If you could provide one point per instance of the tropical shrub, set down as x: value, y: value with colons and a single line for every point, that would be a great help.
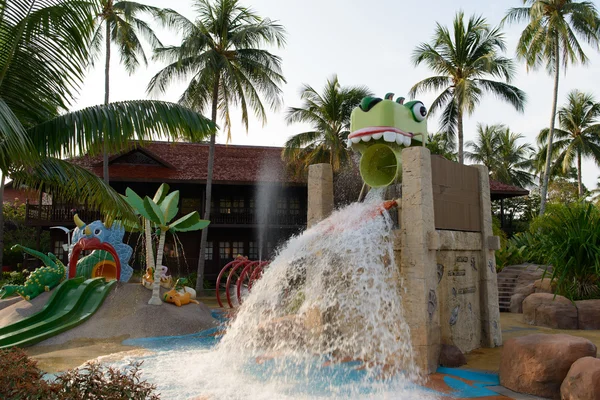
x: 22, y: 379
x: 568, y: 238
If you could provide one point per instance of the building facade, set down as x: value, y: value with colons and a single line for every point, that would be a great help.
x: 256, y: 206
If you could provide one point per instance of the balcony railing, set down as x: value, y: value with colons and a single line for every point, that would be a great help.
x: 47, y: 214
x: 58, y: 214
x: 249, y: 216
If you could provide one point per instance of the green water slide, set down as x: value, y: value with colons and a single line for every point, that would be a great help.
x: 71, y: 303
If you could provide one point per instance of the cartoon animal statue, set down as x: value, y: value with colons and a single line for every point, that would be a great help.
x: 379, y: 130
x: 182, y: 289
x: 178, y: 299
x: 41, y: 280
x: 166, y: 281
x: 109, y: 257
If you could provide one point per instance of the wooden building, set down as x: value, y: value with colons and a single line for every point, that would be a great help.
x: 256, y: 205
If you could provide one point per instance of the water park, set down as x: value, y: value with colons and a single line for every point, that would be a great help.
x: 364, y: 259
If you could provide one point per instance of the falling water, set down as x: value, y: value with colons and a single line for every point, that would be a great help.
x: 265, y: 199
x: 324, y: 321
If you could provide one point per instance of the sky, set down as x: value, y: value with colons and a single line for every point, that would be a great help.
x: 365, y: 43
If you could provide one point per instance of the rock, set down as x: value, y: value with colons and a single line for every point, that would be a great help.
x: 582, y: 381
x: 451, y: 356
x: 538, y: 364
x: 544, y: 309
x: 588, y: 314
x: 544, y: 285
x: 516, y: 303
x: 525, y: 290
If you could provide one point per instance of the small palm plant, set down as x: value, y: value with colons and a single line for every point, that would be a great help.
x: 160, y: 211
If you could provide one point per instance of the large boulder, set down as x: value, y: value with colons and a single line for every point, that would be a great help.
x: 544, y: 285
x: 525, y: 290
x: 451, y: 356
x: 545, y: 309
x: 516, y: 303
x: 582, y: 381
x: 588, y: 314
x: 538, y: 364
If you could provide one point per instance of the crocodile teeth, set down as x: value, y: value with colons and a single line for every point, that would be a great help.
x: 399, y: 138
x: 389, y: 136
x: 407, y: 141
x: 355, y: 139
x: 349, y: 143
x: 377, y: 136
x: 366, y: 138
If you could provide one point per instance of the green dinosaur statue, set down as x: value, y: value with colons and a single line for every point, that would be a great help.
x: 41, y: 280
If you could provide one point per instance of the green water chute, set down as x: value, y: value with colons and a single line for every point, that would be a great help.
x: 380, y: 164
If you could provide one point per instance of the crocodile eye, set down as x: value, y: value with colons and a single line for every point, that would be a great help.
x: 419, y: 111
x: 97, y: 232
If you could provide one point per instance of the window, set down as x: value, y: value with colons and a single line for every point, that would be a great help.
x: 190, y: 205
x: 295, y: 206
x: 237, y: 249
x: 225, y: 205
x: 282, y: 206
x: 59, y: 251
x: 225, y: 250
x: 208, y: 252
x: 251, y: 206
x: 237, y: 204
x: 253, y: 251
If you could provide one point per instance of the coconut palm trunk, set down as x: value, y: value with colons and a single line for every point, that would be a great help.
x: 459, y: 128
x: 579, y: 183
x: 155, y: 299
x: 106, y: 101
x: 209, y: 179
x: 544, y: 192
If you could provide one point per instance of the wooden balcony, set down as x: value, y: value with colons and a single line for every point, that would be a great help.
x: 50, y: 215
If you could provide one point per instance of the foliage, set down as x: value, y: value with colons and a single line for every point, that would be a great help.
x: 16, y: 232
x: 466, y: 61
x: 519, y: 249
x: 578, y: 136
x: 329, y: 117
x: 22, y: 379
x: 15, y: 277
x: 508, y: 161
x: 442, y: 144
x: 569, y: 239
x: 564, y: 190
x: 221, y: 55
x: 552, y: 37
x: 44, y: 55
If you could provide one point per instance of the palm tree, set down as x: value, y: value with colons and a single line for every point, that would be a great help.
x: 465, y: 62
x: 497, y: 148
x: 118, y: 23
x: 579, y: 133
x: 484, y: 149
x: 44, y: 52
x: 222, y: 55
x: 329, y: 116
x: 552, y: 38
x: 442, y: 144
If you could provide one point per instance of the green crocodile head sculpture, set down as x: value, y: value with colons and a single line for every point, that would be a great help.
x: 380, y: 129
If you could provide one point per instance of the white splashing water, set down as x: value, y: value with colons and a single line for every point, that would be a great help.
x: 331, y: 295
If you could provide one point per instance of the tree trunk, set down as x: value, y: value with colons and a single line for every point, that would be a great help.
x: 209, y: 178
x: 106, y: 100
x: 149, y: 251
x: 2, y: 180
x: 579, y: 183
x: 544, y: 191
x: 461, y: 156
x: 155, y: 299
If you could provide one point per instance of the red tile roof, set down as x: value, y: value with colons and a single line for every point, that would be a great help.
x: 187, y: 162
x: 499, y: 190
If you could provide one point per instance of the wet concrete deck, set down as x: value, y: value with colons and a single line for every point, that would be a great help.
x: 474, y: 380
